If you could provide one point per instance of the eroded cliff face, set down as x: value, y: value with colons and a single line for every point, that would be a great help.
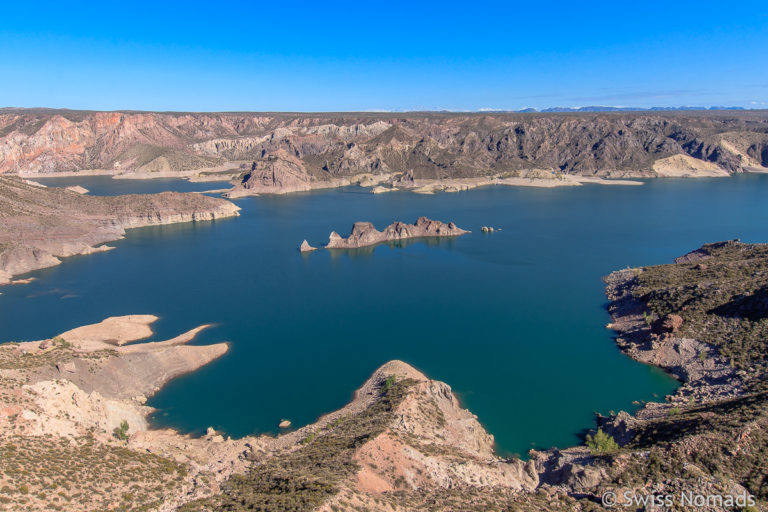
x: 403, y: 439
x: 39, y: 225
x: 324, y: 147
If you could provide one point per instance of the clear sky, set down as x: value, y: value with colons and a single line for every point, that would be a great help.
x: 393, y: 55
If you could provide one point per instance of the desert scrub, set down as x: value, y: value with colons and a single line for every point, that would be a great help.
x: 307, y: 477
x: 83, y: 474
x: 13, y: 358
x: 728, y: 438
x: 722, y: 298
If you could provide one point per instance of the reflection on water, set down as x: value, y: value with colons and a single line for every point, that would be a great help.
x: 368, y: 250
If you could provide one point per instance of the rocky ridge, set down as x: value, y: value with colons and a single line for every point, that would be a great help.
x: 39, y: 225
x: 281, y: 153
x: 365, y: 234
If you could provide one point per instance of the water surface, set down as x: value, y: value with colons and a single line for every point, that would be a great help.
x: 513, y: 321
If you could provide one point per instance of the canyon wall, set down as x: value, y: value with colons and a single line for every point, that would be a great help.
x: 324, y: 147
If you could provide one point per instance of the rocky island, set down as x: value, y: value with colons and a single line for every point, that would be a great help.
x: 364, y: 233
x: 73, y: 429
x: 39, y: 225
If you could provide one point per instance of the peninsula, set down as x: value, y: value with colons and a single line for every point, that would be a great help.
x: 39, y: 225
x: 364, y: 233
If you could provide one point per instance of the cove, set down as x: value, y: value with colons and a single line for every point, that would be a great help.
x: 513, y: 320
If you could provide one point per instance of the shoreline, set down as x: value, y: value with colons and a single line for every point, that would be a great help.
x: 25, y: 247
x: 412, y: 439
x: 708, y: 380
x: 392, y: 182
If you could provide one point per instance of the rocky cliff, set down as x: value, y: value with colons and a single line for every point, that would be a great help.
x: 288, y: 152
x: 39, y: 225
x: 364, y: 233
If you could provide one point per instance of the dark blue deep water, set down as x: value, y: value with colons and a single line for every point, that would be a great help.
x: 513, y: 321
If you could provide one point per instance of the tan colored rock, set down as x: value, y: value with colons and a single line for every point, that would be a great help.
x: 685, y: 166
x: 116, y: 330
x: 305, y: 247
x: 68, y: 367
x: 284, y: 424
x: 38, y: 226
x: 364, y: 233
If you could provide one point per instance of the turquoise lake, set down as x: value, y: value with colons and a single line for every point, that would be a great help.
x: 513, y: 320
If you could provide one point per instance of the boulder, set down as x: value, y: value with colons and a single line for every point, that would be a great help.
x: 68, y: 367
x: 668, y: 325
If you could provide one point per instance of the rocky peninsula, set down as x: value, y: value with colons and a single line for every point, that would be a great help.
x: 364, y: 233
x: 278, y: 153
x: 703, y: 319
x: 39, y: 225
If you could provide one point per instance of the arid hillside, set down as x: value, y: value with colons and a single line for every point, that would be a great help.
x: 328, y: 147
x: 39, y: 225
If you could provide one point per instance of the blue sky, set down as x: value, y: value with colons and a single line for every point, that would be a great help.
x: 341, y: 56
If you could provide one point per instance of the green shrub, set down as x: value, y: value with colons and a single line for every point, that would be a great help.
x: 121, y: 432
x: 389, y: 383
x: 601, y: 443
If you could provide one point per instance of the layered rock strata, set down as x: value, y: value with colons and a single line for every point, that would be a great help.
x: 281, y: 153
x: 38, y: 225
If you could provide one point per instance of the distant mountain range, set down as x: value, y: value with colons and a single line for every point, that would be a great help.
x: 597, y: 108
x: 591, y: 108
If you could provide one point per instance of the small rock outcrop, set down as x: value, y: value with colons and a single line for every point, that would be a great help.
x: 305, y: 247
x: 364, y: 233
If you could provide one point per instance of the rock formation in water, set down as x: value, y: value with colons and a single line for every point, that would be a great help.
x: 279, y: 153
x: 305, y: 247
x: 364, y: 233
x: 39, y: 225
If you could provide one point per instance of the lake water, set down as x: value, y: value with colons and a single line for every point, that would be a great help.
x: 513, y: 321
